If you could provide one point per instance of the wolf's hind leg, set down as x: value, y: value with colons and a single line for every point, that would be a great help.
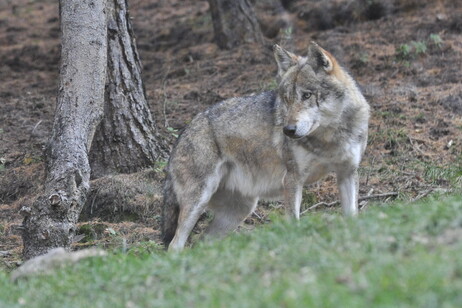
x: 230, y: 209
x: 193, y: 203
x: 186, y: 221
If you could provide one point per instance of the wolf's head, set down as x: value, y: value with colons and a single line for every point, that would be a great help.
x: 312, y: 88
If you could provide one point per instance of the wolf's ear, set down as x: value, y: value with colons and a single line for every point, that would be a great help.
x: 320, y: 58
x: 284, y: 59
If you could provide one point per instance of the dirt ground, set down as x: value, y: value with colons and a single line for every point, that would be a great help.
x: 406, y: 55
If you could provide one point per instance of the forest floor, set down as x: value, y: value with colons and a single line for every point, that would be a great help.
x: 406, y: 56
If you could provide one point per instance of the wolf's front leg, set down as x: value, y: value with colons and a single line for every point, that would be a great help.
x: 348, y: 184
x: 292, y: 195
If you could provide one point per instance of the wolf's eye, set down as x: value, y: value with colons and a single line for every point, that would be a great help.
x: 306, y: 96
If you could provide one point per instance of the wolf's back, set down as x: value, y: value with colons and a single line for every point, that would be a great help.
x: 170, y: 212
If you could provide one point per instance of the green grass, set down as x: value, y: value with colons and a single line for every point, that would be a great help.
x: 436, y: 40
x: 399, y: 255
x: 448, y: 174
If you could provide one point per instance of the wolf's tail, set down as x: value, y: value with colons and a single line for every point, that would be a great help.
x: 170, y: 212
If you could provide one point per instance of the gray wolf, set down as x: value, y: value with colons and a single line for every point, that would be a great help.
x: 268, y: 146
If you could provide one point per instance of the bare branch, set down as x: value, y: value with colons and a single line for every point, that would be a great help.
x: 389, y: 194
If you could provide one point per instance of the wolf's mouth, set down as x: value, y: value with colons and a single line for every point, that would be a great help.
x: 313, y: 128
x: 296, y: 137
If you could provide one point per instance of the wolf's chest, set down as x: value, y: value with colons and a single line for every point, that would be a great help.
x: 313, y: 164
x: 266, y: 181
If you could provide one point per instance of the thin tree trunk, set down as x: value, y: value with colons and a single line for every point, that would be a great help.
x: 286, y: 3
x: 275, y: 22
x: 50, y: 221
x: 234, y: 23
x: 127, y: 138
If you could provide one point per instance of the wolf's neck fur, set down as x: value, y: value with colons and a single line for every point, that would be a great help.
x: 352, y: 120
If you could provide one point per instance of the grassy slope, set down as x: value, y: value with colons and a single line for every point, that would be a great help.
x: 391, y: 256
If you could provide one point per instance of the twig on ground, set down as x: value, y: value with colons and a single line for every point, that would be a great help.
x: 407, y: 173
x: 35, y: 127
x: 389, y: 194
x: 362, y: 205
x: 258, y: 216
x: 417, y: 148
x: 319, y: 204
x: 422, y: 194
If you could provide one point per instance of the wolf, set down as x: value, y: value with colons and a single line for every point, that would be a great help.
x: 267, y: 146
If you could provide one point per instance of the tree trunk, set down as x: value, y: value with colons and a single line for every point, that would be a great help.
x: 275, y: 22
x: 286, y: 3
x: 50, y: 221
x: 234, y: 23
x: 127, y: 138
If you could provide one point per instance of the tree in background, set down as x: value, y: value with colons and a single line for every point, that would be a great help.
x: 234, y: 23
x: 127, y: 138
x: 50, y: 221
x: 100, y: 82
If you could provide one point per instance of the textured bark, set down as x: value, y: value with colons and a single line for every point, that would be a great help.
x: 234, y: 23
x: 50, y: 221
x: 127, y: 139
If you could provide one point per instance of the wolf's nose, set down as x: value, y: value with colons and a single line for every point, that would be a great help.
x: 290, y: 130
